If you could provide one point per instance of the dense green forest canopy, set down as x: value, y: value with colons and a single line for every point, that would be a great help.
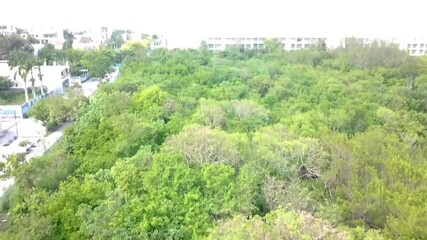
x: 267, y: 144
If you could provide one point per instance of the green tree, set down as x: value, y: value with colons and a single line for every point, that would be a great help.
x: 98, y: 62
x: 69, y: 38
x: 39, y: 63
x: 5, y: 85
x: 49, y: 53
x: 24, y: 63
x: 116, y: 39
x: 8, y: 44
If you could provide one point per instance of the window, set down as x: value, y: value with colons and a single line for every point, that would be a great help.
x: 299, y: 45
x: 421, y: 52
x: 217, y: 45
x: 413, y: 51
x: 306, y: 46
x: 262, y: 39
x: 283, y: 45
x: 414, y: 45
x: 210, y: 46
x: 299, y: 39
x: 261, y: 46
x: 292, y: 45
x: 248, y: 46
x: 306, y: 39
x: 409, y: 45
x: 422, y: 45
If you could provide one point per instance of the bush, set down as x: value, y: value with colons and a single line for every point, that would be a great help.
x: 6, y: 199
x: 24, y: 143
x: 51, y: 125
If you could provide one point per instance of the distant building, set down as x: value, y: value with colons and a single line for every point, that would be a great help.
x: 46, y: 36
x: 159, y: 42
x: 104, y: 35
x: 414, y: 46
x: 6, y: 30
x: 249, y: 43
x: 85, y: 43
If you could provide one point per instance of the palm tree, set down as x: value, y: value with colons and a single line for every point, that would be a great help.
x: 39, y: 63
x: 32, y: 79
x: 22, y: 60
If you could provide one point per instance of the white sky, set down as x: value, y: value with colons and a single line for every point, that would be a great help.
x: 188, y: 21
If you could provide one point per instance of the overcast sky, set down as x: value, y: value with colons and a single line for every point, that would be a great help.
x: 190, y: 20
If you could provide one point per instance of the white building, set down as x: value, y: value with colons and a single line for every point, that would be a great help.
x: 159, y: 42
x: 46, y: 35
x: 248, y: 43
x: 7, y: 30
x: 104, y: 35
x: 56, y: 78
x: 97, y: 36
x: 84, y: 43
x: 414, y: 46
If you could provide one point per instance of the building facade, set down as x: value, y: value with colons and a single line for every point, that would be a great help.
x: 249, y: 43
x: 7, y: 30
x: 414, y: 46
x: 55, y: 78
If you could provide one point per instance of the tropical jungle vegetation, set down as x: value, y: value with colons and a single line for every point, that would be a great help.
x: 260, y: 144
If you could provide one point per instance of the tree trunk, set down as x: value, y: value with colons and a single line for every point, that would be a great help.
x: 24, y: 75
x: 26, y: 91
x: 33, y: 81
x: 41, y: 80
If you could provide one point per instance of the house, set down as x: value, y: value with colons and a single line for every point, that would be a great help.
x: 84, y: 43
x: 56, y: 78
x: 158, y: 42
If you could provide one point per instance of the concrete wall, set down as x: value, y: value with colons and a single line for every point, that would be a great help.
x: 9, y: 111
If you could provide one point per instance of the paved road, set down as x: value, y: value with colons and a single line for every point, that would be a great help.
x: 89, y: 87
x: 44, y: 145
x: 31, y: 129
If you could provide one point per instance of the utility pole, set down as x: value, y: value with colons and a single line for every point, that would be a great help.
x: 16, y: 124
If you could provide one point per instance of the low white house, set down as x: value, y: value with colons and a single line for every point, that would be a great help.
x: 56, y: 78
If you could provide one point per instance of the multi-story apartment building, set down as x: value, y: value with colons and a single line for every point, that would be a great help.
x: 414, y: 46
x: 45, y: 36
x: 104, y: 35
x: 248, y: 43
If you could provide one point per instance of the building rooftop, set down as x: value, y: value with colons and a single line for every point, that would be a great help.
x: 85, y: 40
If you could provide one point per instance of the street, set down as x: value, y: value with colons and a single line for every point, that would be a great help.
x: 32, y: 130
x: 45, y: 144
